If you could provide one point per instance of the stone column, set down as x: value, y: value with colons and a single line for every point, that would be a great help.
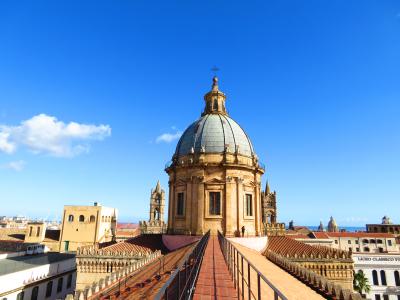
x: 171, y: 197
x: 257, y: 204
x: 230, y: 200
x: 200, y: 207
x: 195, y: 209
x: 188, y: 203
x: 239, y: 202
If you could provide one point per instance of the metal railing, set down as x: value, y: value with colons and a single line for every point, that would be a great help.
x: 180, y: 284
x: 242, y: 276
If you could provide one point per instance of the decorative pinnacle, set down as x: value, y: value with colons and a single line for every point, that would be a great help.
x: 215, y: 84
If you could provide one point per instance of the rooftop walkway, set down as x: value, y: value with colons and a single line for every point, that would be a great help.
x: 291, y: 287
x: 214, y: 280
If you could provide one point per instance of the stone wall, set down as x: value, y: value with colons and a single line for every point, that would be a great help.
x: 111, y: 279
x: 94, y: 264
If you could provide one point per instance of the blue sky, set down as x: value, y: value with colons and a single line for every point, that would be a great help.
x: 86, y: 87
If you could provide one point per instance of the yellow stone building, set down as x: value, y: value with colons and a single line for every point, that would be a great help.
x: 87, y: 225
x: 215, y: 176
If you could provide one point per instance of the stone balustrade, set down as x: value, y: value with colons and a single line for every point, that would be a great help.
x: 319, y: 283
x: 108, y: 281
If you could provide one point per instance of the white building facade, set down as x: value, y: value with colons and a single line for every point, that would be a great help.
x: 361, y: 242
x: 383, y: 273
x: 44, y: 276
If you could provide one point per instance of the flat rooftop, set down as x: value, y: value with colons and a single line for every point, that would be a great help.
x: 16, y: 264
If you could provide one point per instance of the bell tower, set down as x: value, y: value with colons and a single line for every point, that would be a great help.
x: 155, y: 224
x: 269, y: 206
x: 157, y: 203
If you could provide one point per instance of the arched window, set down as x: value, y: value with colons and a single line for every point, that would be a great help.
x: 383, y: 277
x: 379, y: 241
x: 92, y: 219
x: 70, y: 218
x: 38, y: 231
x: 49, y: 289
x: 397, y: 278
x: 69, y: 281
x: 35, y: 293
x: 215, y: 105
x: 102, y: 218
x: 81, y: 218
x: 365, y: 241
x: 375, y: 277
x: 60, y: 285
x: 366, y: 249
x: 30, y: 230
x: 21, y: 295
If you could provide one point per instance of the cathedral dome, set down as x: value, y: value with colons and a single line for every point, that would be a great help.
x: 214, y: 133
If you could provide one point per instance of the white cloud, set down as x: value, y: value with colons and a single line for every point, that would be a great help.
x: 168, y: 137
x: 5, y: 145
x: 46, y: 134
x: 14, y: 165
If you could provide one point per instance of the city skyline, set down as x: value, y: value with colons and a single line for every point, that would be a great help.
x: 93, y: 102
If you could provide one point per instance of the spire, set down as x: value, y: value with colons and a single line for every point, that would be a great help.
x: 215, y: 100
x: 321, y: 226
x: 267, y: 190
x: 215, y: 84
x: 158, y: 186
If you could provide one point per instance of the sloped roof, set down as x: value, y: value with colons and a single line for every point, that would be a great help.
x: 127, y: 226
x: 291, y: 248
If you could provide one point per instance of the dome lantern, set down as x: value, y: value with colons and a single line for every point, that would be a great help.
x: 215, y: 100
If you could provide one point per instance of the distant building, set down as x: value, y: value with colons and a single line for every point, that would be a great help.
x: 36, y: 277
x: 156, y: 223
x: 87, y: 225
x: 382, y: 271
x: 360, y: 242
x: 126, y: 231
x: 13, y: 222
x: 37, y: 232
x: 386, y: 226
x: 332, y: 226
x: 321, y: 227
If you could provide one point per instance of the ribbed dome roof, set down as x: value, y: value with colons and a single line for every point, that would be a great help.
x: 212, y: 133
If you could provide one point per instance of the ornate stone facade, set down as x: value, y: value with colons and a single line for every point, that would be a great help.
x: 268, y: 205
x: 215, y: 176
x: 333, y: 264
x: 156, y: 222
x: 269, y: 213
x: 94, y: 263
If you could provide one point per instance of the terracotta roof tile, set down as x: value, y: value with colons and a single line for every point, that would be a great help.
x: 127, y: 226
x: 289, y: 247
x: 298, y: 236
